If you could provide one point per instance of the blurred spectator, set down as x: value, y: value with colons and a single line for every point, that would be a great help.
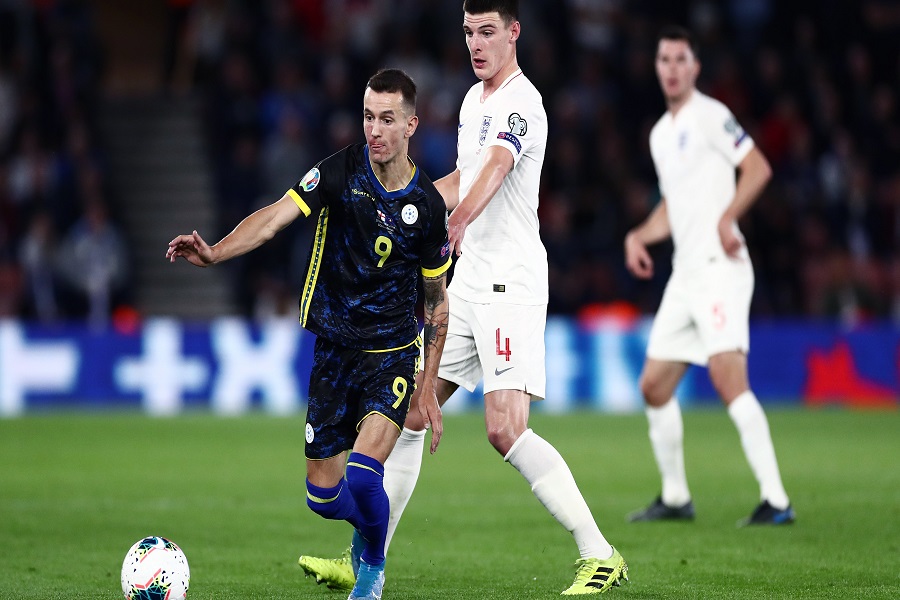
x: 93, y: 264
x: 848, y: 295
x: 37, y: 255
x: 284, y: 154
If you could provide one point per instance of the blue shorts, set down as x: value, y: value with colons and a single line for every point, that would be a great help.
x: 347, y: 385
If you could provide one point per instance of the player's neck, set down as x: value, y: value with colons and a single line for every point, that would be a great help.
x: 676, y: 104
x: 493, y: 84
x: 394, y: 175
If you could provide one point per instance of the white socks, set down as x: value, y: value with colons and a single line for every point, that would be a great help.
x: 753, y: 427
x: 401, y: 471
x: 667, y: 439
x: 552, y: 483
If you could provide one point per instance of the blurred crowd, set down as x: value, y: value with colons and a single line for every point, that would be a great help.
x: 817, y: 85
x: 62, y: 256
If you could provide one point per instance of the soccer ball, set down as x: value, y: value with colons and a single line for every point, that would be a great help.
x: 155, y: 569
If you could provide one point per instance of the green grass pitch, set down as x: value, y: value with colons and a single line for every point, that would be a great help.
x: 77, y: 490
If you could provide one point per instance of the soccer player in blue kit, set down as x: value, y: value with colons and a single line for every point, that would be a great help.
x: 380, y: 225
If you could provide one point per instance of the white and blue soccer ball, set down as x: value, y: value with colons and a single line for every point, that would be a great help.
x: 155, y: 569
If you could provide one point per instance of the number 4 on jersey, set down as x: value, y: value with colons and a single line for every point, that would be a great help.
x: 500, y: 352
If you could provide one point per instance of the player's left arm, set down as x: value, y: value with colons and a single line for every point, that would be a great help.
x: 754, y: 172
x: 498, y: 162
x: 437, y: 316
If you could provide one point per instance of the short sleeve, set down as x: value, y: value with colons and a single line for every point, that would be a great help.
x: 654, y: 155
x: 725, y: 134
x: 436, y: 257
x: 517, y: 124
x: 310, y: 193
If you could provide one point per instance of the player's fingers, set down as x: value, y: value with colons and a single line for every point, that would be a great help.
x: 436, y: 434
x: 456, y: 242
x: 181, y: 240
x: 732, y: 246
x: 437, y: 431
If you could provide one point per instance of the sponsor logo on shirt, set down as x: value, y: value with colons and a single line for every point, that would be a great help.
x: 310, y: 180
x: 363, y: 193
x: 503, y: 135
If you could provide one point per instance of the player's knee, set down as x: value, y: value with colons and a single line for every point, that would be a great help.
x: 728, y: 382
x: 414, y: 420
x: 652, y: 390
x: 501, y: 437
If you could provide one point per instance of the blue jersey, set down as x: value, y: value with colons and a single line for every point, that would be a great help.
x: 370, y: 247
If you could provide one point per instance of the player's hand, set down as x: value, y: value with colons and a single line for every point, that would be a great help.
x: 430, y: 411
x: 456, y: 231
x: 192, y: 248
x: 731, y: 242
x: 637, y: 258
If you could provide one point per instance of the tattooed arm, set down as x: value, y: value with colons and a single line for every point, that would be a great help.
x: 437, y: 314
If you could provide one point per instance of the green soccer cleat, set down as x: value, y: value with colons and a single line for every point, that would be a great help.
x: 595, y: 576
x: 335, y: 573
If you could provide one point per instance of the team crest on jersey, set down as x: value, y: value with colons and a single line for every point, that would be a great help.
x: 310, y: 180
x: 310, y: 434
x: 409, y: 214
x: 386, y: 221
x: 517, y: 125
x: 485, y: 126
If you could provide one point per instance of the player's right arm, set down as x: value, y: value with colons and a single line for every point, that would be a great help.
x: 437, y: 316
x: 498, y: 162
x: 655, y: 228
x: 252, y: 232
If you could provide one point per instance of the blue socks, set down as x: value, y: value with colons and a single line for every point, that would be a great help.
x: 333, y: 503
x: 360, y: 500
x: 365, y: 477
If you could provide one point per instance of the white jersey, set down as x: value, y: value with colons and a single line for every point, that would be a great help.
x: 695, y: 154
x: 503, y: 258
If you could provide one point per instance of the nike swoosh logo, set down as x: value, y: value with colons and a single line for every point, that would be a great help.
x: 499, y: 372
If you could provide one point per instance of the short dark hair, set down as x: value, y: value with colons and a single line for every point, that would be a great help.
x: 389, y: 81
x: 508, y: 9
x: 679, y: 33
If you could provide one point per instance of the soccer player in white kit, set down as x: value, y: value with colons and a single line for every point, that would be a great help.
x: 703, y: 317
x: 498, y: 297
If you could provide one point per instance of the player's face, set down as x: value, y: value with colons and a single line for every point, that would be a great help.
x: 677, y: 69
x: 492, y: 45
x: 387, y: 126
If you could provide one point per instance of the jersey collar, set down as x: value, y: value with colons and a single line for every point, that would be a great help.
x: 381, y: 189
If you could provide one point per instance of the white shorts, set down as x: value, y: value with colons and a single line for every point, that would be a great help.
x: 703, y: 312
x: 503, y: 343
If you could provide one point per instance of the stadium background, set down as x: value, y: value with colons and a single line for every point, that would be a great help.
x: 124, y: 123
